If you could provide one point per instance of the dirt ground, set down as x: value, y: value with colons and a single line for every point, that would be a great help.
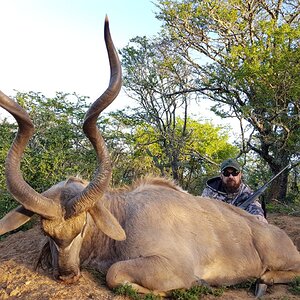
x: 19, y: 280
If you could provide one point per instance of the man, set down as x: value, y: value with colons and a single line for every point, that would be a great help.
x: 229, y: 187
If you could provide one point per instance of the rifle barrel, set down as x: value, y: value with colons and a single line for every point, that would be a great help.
x: 256, y: 194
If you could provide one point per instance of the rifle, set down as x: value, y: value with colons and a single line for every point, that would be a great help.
x: 256, y: 194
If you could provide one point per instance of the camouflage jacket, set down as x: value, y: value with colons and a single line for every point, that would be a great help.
x: 214, y: 189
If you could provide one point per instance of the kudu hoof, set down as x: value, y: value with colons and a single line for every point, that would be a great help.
x: 201, y: 282
x: 260, y: 290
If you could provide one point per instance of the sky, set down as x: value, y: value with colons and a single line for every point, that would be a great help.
x: 58, y: 45
x: 51, y: 46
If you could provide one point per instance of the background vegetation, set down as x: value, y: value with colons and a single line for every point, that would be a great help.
x: 242, y: 55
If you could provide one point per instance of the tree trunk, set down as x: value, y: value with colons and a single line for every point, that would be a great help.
x: 175, y: 174
x: 278, y: 187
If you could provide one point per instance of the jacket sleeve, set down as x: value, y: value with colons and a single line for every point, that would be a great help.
x: 206, y: 193
x: 255, y: 209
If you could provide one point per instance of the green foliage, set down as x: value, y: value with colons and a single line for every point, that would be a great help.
x: 58, y: 148
x: 6, y: 203
x: 168, y: 142
x: 246, y: 57
x: 142, y: 150
x: 150, y: 76
x: 202, y: 140
x: 194, y: 293
x: 7, y: 132
x: 282, y: 208
x: 244, y: 285
x: 127, y: 290
x: 99, y: 276
x: 295, y: 286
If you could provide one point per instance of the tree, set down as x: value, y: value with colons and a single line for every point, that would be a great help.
x: 7, y: 131
x: 147, y: 78
x: 140, y: 149
x: 204, y: 148
x: 249, y: 65
x: 119, y: 135
x: 150, y: 73
x: 58, y: 148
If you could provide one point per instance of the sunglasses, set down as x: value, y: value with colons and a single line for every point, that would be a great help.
x: 226, y: 173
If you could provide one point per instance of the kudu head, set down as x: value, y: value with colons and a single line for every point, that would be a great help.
x: 64, y: 208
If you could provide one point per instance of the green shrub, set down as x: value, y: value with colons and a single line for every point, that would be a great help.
x: 295, y: 286
x: 196, y: 292
x: 129, y: 291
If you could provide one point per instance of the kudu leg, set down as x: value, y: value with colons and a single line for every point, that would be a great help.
x: 147, y: 275
x: 271, y: 277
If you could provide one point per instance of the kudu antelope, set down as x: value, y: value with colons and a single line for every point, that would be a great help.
x: 152, y: 235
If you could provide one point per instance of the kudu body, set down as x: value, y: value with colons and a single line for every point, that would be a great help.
x: 152, y: 235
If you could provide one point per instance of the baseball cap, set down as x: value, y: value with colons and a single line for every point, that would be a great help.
x: 230, y: 163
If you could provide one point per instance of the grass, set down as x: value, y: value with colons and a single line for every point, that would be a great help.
x: 98, y: 276
x: 282, y: 208
x: 248, y: 285
x: 294, y: 286
x: 193, y: 293
x: 196, y: 292
x: 127, y: 290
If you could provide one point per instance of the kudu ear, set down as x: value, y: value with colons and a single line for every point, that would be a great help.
x: 14, y: 219
x: 106, y: 222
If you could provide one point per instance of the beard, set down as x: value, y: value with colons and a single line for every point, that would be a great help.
x: 232, y: 185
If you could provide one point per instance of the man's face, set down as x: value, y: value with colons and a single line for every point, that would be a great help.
x: 231, y: 179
